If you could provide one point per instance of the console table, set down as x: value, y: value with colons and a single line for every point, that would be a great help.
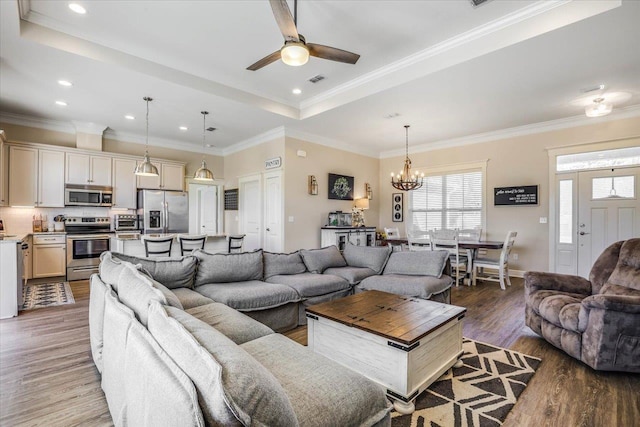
x: 339, y: 236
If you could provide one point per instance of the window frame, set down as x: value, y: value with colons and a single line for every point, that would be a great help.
x: 480, y: 166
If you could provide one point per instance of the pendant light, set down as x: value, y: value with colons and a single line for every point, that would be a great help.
x: 406, y: 181
x: 146, y: 168
x: 203, y: 174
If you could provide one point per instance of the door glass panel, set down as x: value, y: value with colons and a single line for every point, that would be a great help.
x: 613, y: 187
x: 565, y: 219
x: 599, y: 159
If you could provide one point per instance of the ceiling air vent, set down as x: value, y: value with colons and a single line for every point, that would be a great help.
x: 477, y: 3
x: 316, y: 79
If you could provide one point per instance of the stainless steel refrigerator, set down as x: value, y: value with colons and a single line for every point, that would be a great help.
x: 163, y: 211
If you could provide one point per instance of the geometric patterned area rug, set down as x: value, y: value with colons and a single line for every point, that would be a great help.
x: 480, y: 393
x: 46, y: 295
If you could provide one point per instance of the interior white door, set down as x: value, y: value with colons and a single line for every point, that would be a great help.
x: 250, y: 210
x: 203, y: 209
x: 608, y: 211
x: 273, y: 212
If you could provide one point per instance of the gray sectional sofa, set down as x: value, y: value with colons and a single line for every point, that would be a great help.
x: 192, y: 341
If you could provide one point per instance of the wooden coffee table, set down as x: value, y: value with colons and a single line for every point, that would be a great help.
x: 402, y: 343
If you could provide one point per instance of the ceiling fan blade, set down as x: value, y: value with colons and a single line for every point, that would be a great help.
x: 284, y: 20
x: 273, y: 57
x: 332, y: 53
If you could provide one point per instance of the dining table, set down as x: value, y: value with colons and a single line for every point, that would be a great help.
x: 470, y: 246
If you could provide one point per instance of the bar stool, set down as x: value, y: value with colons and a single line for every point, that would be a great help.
x: 235, y: 243
x: 190, y: 243
x: 157, y: 246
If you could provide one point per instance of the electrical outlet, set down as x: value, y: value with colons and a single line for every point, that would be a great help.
x: 514, y: 256
x: 290, y: 219
x: 543, y: 220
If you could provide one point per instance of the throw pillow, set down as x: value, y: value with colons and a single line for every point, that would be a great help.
x: 318, y: 260
x: 371, y: 257
x: 417, y: 263
x: 282, y: 264
x: 171, y: 272
x: 226, y: 268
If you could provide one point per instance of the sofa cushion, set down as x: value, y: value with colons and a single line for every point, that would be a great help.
x: 157, y: 391
x: 417, y: 263
x: 190, y: 298
x: 353, y: 275
x: 249, y: 295
x: 318, y: 260
x: 110, y: 269
x: 171, y: 272
x: 169, y: 296
x: 535, y: 298
x: 282, y: 264
x: 136, y: 292
x: 562, y: 310
x: 327, y: 394
x: 311, y: 284
x: 627, y: 271
x: 236, y: 326
x: 411, y: 286
x: 98, y: 290
x: 232, y: 386
x: 371, y: 257
x: 226, y: 268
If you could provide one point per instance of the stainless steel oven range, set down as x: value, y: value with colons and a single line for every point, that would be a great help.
x: 87, y: 238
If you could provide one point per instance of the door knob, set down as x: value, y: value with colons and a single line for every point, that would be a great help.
x: 582, y: 233
x: 268, y: 229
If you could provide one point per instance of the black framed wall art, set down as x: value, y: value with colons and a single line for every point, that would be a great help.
x: 340, y: 187
x: 397, y: 207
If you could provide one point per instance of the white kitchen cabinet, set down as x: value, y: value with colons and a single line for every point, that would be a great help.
x: 49, y: 256
x: 4, y: 171
x: 124, y: 183
x: 23, y: 176
x: 50, y: 178
x: 36, y: 177
x: 171, y: 177
x: 84, y: 169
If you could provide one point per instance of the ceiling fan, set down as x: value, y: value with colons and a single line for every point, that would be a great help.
x: 296, y: 50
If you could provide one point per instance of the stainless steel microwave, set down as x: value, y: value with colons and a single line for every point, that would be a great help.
x: 87, y: 195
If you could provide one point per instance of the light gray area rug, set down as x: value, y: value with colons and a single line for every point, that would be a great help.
x: 480, y: 393
x: 46, y: 295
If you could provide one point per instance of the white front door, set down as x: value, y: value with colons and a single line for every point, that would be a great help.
x: 250, y: 210
x: 608, y: 211
x: 273, y: 212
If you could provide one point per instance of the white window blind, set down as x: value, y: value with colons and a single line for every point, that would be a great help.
x: 452, y: 200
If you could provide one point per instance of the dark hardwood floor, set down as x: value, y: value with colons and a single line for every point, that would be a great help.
x: 47, y: 376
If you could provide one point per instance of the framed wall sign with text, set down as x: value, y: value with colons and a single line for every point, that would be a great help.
x: 515, y: 196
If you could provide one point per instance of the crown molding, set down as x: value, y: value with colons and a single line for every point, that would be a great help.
x: 89, y: 127
x: 37, y: 122
x: 549, y: 126
x: 159, y: 142
x: 267, y: 136
x: 329, y: 142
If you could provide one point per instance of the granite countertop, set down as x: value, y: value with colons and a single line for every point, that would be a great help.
x: 13, y: 238
x: 347, y: 227
x: 125, y: 236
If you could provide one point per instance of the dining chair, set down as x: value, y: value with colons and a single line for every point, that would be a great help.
x: 499, y: 264
x: 470, y: 234
x: 235, y: 243
x: 157, y: 246
x: 392, y: 233
x: 445, y: 239
x: 191, y: 242
x: 419, y: 240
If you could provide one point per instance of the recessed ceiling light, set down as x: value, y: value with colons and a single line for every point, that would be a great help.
x: 297, y: 91
x: 61, y: 103
x: 183, y: 128
x: 392, y: 115
x: 129, y: 117
x: 66, y: 83
x: 77, y: 8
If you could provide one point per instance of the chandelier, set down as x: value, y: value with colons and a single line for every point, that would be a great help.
x: 405, y: 180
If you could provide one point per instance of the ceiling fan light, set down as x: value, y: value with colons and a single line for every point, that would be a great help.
x: 599, y: 108
x: 203, y: 174
x: 294, y: 54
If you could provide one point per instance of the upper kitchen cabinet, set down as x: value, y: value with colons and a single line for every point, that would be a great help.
x: 36, y: 177
x: 84, y: 169
x: 171, y: 177
x: 124, y: 183
x: 4, y: 171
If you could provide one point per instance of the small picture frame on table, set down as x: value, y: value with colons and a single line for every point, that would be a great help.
x: 397, y: 207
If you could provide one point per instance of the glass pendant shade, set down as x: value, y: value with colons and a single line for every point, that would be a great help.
x: 598, y: 108
x: 146, y: 168
x: 294, y: 54
x: 203, y: 174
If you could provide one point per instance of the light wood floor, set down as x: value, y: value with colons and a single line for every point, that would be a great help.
x: 47, y: 377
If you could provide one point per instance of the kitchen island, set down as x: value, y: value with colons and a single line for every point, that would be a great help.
x: 131, y: 243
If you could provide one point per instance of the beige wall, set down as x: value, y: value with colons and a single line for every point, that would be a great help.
x: 310, y: 212
x: 514, y: 161
x: 16, y: 133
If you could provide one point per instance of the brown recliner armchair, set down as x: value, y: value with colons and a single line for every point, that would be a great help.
x: 596, y: 321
